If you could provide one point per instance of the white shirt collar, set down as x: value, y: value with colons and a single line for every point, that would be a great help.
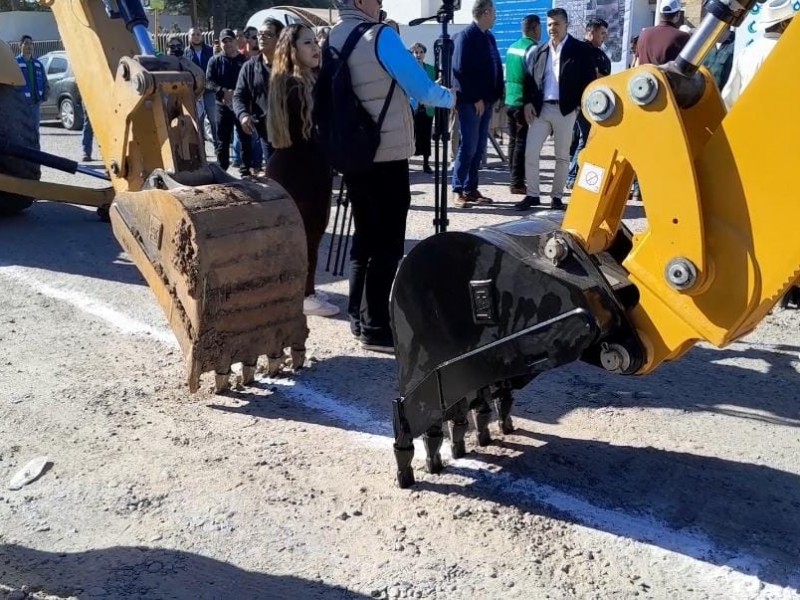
x: 560, y: 45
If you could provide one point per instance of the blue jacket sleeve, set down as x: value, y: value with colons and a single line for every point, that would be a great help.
x: 402, y: 66
x: 464, y: 61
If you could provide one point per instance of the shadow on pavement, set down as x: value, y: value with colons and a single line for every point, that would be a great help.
x: 743, y: 516
x: 66, y: 239
x: 751, y: 382
x: 358, y: 401
x: 142, y: 572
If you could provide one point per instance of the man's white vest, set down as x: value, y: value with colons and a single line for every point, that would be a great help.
x: 371, y: 84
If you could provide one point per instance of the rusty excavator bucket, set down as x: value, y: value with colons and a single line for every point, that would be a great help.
x: 478, y: 314
x: 225, y: 258
x: 227, y: 263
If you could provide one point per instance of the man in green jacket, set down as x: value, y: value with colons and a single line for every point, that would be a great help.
x: 515, y: 74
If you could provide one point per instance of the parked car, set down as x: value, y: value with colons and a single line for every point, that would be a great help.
x: 64, y: 102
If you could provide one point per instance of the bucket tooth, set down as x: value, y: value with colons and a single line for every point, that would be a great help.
x: 275, y: 364
x: 432, y: 440
x: 403, y: 447
x: 297, y: 358
x: 248, y: 372
x: 226, y: 261
x: 222, y: 381
x: 481, y: 417
x: 503, y: 402
x: 457, y: 427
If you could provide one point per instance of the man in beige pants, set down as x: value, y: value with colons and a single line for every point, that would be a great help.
x: 558, y: 74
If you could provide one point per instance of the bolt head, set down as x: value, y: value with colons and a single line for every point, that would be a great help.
x: 597, y: 102
x: 643, y: 89
x: 556, y: 250
x: 600, y: 104
x: 681, y: 274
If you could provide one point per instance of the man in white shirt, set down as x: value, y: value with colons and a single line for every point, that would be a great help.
x: 775, y: 18
x: 562, y: 68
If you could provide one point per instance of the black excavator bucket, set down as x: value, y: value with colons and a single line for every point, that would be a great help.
x: 478, y: 314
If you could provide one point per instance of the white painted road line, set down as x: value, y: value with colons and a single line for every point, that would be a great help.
x: 85, y: 303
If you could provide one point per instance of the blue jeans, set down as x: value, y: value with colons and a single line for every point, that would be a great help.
x: 36, y: 116
x: 207, y: 106
x: 474, y: 137
x: 237, y: 147
x: 583, y: 126
x: 257, y: 155
x: 88, y: 136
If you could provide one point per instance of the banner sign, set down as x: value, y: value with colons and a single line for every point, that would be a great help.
x: 613, y: 12
x: 508, y: 27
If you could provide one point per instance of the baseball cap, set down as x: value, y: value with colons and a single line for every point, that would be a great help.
x: 670, y: 7
x: 225, y: 34
x: 775, y: 11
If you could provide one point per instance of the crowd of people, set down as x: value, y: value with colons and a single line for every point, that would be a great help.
x: 260, y: 94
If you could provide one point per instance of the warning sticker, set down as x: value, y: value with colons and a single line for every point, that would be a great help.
x: 591, y: 177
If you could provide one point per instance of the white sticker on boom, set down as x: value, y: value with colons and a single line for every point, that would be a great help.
x: 591, y: 177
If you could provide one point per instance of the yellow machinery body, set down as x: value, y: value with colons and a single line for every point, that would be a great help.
x: 10, y: 73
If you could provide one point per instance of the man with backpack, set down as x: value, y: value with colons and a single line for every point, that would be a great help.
x: 364, y: 118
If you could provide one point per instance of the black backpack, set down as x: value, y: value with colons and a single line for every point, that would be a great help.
x: 345, y: 128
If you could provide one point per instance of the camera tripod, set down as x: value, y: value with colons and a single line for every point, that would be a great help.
x: 443, y: 65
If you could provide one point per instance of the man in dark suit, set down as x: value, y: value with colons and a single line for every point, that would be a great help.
x: 478, y: 83
x: 562, y: 69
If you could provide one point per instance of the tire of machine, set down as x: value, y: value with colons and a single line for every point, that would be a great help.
x: 16, y: 125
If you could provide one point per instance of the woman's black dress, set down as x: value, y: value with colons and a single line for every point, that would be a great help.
x: 304, y: 171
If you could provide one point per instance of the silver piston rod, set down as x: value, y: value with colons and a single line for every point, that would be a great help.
x: 721, y: 14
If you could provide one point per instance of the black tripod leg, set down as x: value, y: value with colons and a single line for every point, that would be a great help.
x: 346, y: 243
x: 432, y: 440
x: 503, y: 403
x: 403, y: 446
x: 335, y: 224
x: 346, y: 205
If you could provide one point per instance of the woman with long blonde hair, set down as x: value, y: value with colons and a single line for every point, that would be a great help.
x: 299, y: 163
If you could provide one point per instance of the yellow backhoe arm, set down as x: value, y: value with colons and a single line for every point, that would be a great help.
x: 720, y: 248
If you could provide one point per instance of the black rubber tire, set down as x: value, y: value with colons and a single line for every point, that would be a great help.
x: 17, y: 126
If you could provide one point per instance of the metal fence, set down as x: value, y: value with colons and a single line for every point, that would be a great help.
x: 39, y: 48
x: 163, y: 38
x: 42, y: 47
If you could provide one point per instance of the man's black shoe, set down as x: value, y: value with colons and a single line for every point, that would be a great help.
x: 556, y: 204
x: 527, y: 203
x: 383, y: 344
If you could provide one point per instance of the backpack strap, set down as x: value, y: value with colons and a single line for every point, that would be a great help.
x: 353, y: 39
x: 350, y: 44
x: 386, y: 104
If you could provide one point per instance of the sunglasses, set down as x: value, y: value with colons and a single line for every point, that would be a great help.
x: 176, y: 47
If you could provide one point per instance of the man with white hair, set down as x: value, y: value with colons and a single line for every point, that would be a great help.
x: 384, y: 76
x: 774, y: 19
x: 663, y: 43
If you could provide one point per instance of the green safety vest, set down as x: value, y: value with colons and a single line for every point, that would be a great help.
x: 515, y: 70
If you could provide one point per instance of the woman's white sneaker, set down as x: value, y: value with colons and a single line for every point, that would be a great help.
x: 313, y: 305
